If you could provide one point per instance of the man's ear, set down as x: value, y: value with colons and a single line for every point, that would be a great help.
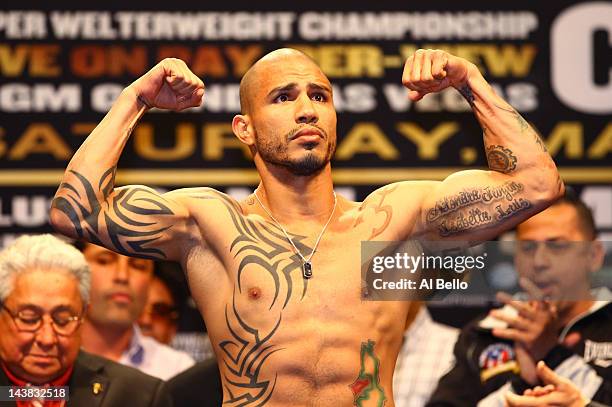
x: 597, y: 255
x: 241, y: 126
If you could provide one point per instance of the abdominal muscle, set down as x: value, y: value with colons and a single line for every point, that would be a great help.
x: 314, y: 357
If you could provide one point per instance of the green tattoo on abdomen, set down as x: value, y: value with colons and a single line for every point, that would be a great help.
x: 367, y: 385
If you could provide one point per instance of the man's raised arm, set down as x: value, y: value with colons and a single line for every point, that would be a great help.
x: 133, y: 220
x: 522, y: 178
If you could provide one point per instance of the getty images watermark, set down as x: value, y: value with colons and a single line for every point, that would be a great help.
x: 456, y: 273
x: 416, y: 270
x: 413, y: 264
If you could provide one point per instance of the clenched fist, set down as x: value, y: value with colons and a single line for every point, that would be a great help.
x: 428, y: 71
x: 169, y: 85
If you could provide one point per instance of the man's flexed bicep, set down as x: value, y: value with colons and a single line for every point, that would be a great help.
x: 523, y: 178
x: 477, y: 205
x: 133, y: 220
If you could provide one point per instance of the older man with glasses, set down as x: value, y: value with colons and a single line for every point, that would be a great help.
x: 44, y: 291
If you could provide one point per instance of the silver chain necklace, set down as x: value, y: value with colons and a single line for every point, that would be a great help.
x: 306, y: 264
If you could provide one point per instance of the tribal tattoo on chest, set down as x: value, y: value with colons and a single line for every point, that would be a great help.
x: 262, y: 245
x: 134, y: 219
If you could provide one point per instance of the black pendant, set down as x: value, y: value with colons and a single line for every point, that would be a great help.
x: 307, y: 269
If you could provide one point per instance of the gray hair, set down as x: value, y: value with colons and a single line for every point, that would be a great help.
x: 42, y: 251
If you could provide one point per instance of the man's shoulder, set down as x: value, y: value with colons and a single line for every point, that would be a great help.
x: 199, y: 385
x: 99, y: 381
x: 112, y: 369
x: 481, y: 325
x: 204, y: 200
x: 195, y: 193
x: 416, y: 189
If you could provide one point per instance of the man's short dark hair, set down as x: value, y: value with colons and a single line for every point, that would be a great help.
x: 585, y: 214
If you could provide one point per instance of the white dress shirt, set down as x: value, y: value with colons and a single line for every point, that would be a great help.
x: 425, y: 356
x: 154, y: 358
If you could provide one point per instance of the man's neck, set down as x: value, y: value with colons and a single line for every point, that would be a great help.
x: 576, y: 309
x: 109, y: 341
x: 290, y: 197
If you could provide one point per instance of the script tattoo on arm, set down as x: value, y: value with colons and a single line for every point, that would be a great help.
x: 131, y: 219
x: 501, y: 159
x: 477, y: 208
x: 367, y: 388
x: 261, y: 245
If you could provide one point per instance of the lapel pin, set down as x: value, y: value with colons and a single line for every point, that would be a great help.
x: 97, y: 388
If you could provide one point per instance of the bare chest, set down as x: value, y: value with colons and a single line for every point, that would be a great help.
x: 262, y: 312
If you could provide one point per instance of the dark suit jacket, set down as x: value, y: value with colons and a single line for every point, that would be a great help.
x: 200, y: 386
x: 120, y: 386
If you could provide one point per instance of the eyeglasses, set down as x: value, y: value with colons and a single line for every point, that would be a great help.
x: 64, y: 322
x: 163, y: 311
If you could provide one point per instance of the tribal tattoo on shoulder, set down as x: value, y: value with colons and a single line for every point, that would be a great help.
x: 263, y: 245
x: 120, y: 219
x: 477, y: 208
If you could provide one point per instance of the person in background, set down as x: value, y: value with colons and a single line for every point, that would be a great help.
x: 557, y: 252
x: 200, y: 385
x: 425, y: 356
x: 119, y: 290
x: 556, y: 391
x: 44, y: 291
x: 168, y: 307
x: 159, y: 319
